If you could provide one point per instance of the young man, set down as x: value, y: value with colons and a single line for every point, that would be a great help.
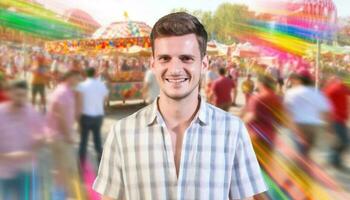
x: 179, y: 147
x: 92, y: 94
x: 21, y: 133
x: 221, y: 89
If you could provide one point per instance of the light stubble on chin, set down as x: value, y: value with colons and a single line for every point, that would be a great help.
x: 184, y: 96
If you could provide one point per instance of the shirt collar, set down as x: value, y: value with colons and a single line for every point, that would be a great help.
x: 156, y: 117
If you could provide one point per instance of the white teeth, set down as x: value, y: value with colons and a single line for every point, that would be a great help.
x: 177, y: 80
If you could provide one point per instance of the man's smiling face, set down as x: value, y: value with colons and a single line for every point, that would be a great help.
x: 177, y: 64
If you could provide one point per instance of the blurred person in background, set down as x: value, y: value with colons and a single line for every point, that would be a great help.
x: 233, y: 74
x: 27, y: 57
x: 150, y: 87
x: 273, y: 70
x: 247, y: 88
x: 264, y: 111
x: 280, y: 87
x: 309, y: 108
x: 40, y: 78
x: 265, y: 115
x: 61, y: 116
x: 54, y: 70
x: 11, y: 70
x: 92, y: 94
x: 21, y: 135
x: 210, y: 76
x: 19, y: 62
x: 338, y: 94
x: 125, y: 65
x: 221, y: 90
x: 103, y: 71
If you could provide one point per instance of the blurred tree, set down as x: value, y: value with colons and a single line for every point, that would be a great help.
x: 343, y: 36
x: 228, y: 20
x: 206, y: 17
x: 179, y: 10
x: 225, y: 23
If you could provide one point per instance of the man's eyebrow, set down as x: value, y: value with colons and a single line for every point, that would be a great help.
x: 163, y: 56
x: 180, y: 56
x: 187, y: 55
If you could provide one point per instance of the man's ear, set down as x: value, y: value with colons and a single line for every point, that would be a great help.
x: 205, y: 62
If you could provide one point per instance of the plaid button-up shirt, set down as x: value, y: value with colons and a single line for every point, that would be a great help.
x: 217, y: 159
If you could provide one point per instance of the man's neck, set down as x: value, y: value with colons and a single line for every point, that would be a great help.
x: 178, y: 113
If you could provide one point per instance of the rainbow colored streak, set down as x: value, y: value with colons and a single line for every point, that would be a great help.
x: 34, y: 19
x: 290, y: 27
x: 289, y: 174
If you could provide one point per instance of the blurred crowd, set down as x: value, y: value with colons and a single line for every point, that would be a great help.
x: 285, y: 97
x: 77, y: 93
x: 275, y: 97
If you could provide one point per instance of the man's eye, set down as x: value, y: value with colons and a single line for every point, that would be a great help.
x: 186, y: 59
x: 164, y: 59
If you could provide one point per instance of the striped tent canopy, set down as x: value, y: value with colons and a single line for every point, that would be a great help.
x: 83, y: 19
x: 124, y: 29
x: 215, y: 48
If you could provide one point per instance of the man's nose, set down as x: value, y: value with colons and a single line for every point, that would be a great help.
x: 175, y: 66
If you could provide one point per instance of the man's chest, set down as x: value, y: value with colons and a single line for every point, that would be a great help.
x: 205, y: 158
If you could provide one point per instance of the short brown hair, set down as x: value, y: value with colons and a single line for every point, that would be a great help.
x: 179, y: 24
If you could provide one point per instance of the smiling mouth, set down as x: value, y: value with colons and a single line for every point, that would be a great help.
x: 177, y: 80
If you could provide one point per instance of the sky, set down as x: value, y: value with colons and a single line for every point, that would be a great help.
x: 107, y: 11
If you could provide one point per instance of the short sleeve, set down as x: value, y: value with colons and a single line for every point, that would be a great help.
x: 109, y: 181
x: 247, y: 179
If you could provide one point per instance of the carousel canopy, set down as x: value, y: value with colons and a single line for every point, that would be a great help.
x: 125, y: 29
x: 117, y: 37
